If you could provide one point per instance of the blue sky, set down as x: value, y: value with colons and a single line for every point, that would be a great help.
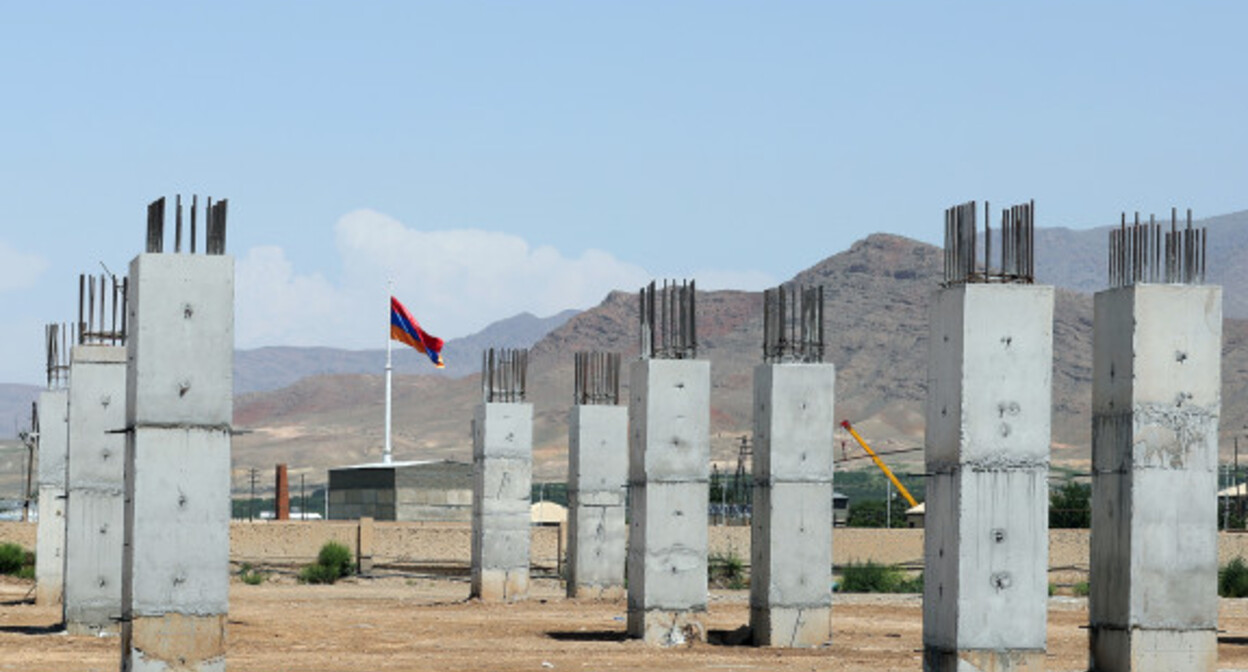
x: 500, y: 157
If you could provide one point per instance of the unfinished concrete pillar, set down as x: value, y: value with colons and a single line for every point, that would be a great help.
x: 50, y: 536
x: 669, y: 472
x: 95, y: 483
x: 987, y: 441
x: 281, y: 499
x: 597, y: 480
x: 791, y: 525
x: 502, y: 483
x: 669, y: 451
x: 180, y: 388
x: 1156, y: 400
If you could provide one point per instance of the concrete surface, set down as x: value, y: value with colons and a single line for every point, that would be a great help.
x: 1154, y: 551
x: 180, y: 380
x: 502, y: 461
x: 791, y: 526
x: 597, y: 485
x: 669, y: 472
x: 53, y: 456
x: 987, y: 454
x: 95, y: 508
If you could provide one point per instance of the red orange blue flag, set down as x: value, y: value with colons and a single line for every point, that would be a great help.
x: 405, y: 330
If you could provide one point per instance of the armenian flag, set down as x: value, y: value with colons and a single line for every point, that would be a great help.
x: 405, y: 330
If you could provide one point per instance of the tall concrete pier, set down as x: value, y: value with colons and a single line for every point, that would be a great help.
x: 791, y: 526
x: 53, y: 453
x: 987, y: 453
x: 597, y: 479
x: 95, y: 483
x: 669, y: 473
x: 502, y: 483
x: 1156, y: 400
x: 180, y: 410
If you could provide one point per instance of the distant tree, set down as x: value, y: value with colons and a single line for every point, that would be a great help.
x: 1070, y: 506
x: 870, y: 513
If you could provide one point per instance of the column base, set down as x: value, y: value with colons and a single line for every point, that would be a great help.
x: 500, y: 585
x: 661, y: 627
x: 1139, y: 650
x: 983, y: 660
x: 174, y: 641
x: 585, y: 592
x: 796, y: 627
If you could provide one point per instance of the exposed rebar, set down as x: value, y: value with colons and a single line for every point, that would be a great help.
x: 214, y: 217
x: 107, y: 326
x: 503, y: 374
x: 56, y: 343
x: 668, y: 320
x: 1016, y: 260
x: 597, y: 378
x: 1145, y: 253
x: 793, y: 324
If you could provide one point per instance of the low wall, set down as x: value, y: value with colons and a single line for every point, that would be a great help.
x: 447, y: 545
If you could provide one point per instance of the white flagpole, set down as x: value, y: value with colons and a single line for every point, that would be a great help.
x: 385, y: 455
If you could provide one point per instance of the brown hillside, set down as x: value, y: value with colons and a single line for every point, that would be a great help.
x: 877, y: 295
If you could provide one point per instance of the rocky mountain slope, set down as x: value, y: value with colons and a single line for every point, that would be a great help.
x: 877, y: 295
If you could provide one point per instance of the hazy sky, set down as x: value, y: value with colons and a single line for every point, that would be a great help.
x: 501, y: 157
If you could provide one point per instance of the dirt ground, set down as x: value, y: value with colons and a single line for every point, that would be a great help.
x: 426, y: 623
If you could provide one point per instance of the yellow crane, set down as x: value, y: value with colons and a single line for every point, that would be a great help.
x: 880, y: 463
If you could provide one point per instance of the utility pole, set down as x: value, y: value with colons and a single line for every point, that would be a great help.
x: 30, y: 439
x: 251, y: 505
x: 888, y: 504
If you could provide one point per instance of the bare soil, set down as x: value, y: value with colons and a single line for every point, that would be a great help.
x: 427, y: 623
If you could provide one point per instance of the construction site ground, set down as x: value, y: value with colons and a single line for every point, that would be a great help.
x: 426, y: 622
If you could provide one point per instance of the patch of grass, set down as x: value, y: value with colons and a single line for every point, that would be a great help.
x: 12, y: 557
x: 1080, y: 589
x: 727, y: 570
x: 872, y: 577
x: 251, y: 576
x: 332, y: 563
x: 1233, y: 579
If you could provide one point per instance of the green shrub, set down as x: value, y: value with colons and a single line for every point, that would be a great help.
x: 332, y: 563
x: 1080, y: 589
x: 726, y: 570
x: 1233, y: 579
x: 872, y: 577
x: 13, y: 558
x: 250, y: 576
x: 316, y: 573
x: 911, y: 585
x: 336, y: 555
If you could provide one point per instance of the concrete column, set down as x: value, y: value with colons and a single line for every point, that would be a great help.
x: 989, y: 399
x: 669, y: 472
x: 50, y: 537
x: 502, y: 484
x: 597, y: 482
x: 176, y: 566
x: 1156, y: 398
x: 281, y: 497
x: 791, y: 526
x: 95, y: 508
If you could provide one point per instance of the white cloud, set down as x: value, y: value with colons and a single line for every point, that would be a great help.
x: 19, y: 270
x: 455, y: 282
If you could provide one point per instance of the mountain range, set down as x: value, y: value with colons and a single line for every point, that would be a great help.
x: 314, y: 408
